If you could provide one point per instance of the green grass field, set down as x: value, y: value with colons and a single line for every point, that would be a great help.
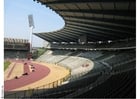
x: 6, y: 64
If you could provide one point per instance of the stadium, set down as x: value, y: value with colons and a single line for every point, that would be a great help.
x: 93, y: 56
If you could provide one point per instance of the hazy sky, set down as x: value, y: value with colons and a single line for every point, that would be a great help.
x: 16, y: 19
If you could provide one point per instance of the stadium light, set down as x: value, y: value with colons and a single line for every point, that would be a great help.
x: 31, y: 25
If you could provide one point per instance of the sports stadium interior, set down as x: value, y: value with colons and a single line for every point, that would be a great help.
x: 97, y: 45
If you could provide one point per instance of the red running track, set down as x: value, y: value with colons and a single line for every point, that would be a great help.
x: 40, y: 72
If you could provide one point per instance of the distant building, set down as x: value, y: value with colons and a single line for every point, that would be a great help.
x: 16, y: 48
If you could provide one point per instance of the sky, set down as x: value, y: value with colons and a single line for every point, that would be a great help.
x: 16, y: 20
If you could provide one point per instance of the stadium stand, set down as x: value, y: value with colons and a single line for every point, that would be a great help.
x: 102, y: 31
x: 97, y: 44
x: 75, y: 63
x: 16, y: 48
x: 110, y: 64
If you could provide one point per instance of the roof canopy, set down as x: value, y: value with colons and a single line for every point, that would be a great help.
x: 15, y: 41
x: 97, y: 19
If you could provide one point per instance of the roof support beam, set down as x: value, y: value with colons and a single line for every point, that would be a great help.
x: 51, y: 38
x: 118, y: 23
x: 94, y: 31
x: 93, y: 15
x: 64, y: 36
x: 125, y: 13
x: 79, y: 33
x: 41, y: 36
x: 94, y: 27
x: 59, y: 37
x: 67, y: 34
x: 78, y: 1
x: 100, y: 25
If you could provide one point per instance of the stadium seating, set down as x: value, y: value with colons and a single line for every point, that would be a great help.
x: 115, y: 86
x: 15, y: 54
x: 16, y: 48
x: 108, y: 66
x: 75, y: 63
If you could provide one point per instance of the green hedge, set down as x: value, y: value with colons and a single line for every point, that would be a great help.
x: 38, y: 53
